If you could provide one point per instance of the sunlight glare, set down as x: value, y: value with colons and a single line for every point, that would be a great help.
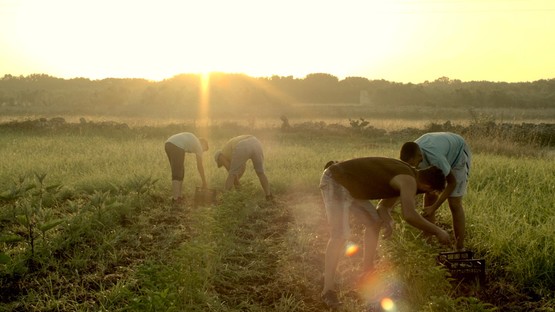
x: 388, y: 304
x: 204, y: 102
x: 402, y: 40
x: 351, y: 249
x: 380, y: 288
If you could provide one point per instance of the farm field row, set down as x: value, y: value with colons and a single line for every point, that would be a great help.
x: 116, y: 245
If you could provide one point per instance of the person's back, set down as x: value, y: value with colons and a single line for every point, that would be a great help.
x: 369, y: 177
x: 441, y: 149
x: 187, y: 142
x: 229, y: 146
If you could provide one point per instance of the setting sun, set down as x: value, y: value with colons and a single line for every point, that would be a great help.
x: 399, y: 40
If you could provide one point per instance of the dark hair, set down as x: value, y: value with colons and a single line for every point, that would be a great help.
x: 408, y: 150
x: 329, y: 163
x: 432, y: 176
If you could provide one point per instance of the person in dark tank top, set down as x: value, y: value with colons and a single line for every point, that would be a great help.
x: 347, y: 188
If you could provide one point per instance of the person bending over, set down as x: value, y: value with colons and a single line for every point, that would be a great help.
x: 234, y: 156
x: 348, y: 186
x: 176, y: 146
x: 449, y: 152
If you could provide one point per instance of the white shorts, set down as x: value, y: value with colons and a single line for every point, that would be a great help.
x: 339, y: 203
x: 461, y: 171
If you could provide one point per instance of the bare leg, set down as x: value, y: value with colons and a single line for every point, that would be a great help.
x: 230, y: 181
x: 457, y: 212
x: 429, y: 199
x: 333, y: 252
x: 176, y: 189
x: 264, y: 183
x: 371, y: 235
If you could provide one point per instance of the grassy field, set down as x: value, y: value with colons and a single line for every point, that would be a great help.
x: 86, y: 224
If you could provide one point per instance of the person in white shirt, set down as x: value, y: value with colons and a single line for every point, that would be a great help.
x: 176, y: 146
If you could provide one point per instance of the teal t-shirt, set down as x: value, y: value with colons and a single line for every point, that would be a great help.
x: 441, y: 149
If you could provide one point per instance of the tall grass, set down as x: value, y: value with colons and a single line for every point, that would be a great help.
x: 510, y: 212
x: 80, y: 161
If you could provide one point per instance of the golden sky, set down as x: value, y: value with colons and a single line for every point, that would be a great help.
x: 396, y: 40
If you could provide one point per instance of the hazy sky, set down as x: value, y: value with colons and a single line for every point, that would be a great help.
x: 395, y: 40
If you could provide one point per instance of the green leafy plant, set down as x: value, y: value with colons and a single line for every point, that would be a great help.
x: 104, y: 204
x: 142, y: 185
x: 30, y: 217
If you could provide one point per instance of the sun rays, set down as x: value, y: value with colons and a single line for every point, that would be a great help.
x: 203, y: 115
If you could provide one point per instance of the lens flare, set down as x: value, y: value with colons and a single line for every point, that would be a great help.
x: 388, y: 304
x: 351, y: 249
x: 204, y: 104
x: 380, y: 288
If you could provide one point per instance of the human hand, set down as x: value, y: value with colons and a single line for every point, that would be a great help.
x: 443, y: 237
x: 428, y: 211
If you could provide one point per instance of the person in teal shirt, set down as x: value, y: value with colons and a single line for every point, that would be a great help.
x: 449, y: 152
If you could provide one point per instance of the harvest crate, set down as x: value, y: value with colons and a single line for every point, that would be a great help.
x: 204, y: 196
x: 462, y: 265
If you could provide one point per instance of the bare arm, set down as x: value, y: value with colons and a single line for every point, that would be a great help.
x: 407, y: 188
x: 200, y: 168
x: 451, y: 183
x: 232, y: 180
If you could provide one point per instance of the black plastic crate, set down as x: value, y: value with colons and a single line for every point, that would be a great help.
x: 462, y: 265
x: 455, y: 255
x: 205, y: 196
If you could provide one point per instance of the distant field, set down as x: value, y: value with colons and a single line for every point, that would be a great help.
x: 388, y: 118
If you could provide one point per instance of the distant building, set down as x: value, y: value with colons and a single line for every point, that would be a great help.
x: 364, y: 98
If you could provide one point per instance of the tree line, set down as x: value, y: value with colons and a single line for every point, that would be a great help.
x: 232, y: 93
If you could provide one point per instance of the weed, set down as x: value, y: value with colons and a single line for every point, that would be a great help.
x: 31, y: 219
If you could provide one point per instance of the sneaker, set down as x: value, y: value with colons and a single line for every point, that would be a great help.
x: 270, y: 197
x: 331, y: 300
